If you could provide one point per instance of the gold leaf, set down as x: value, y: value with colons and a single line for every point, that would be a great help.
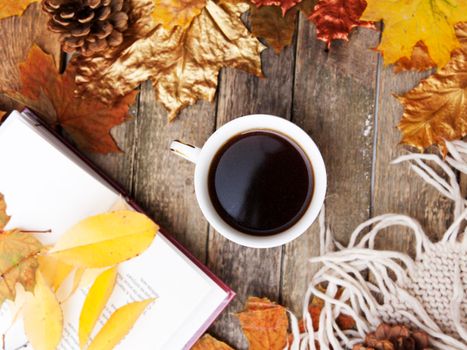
x: 268, y: 23
x: 95, y: 302
x: 171, y: 13
x: 118, y: 325
x: 42, y: 315
x: 436, y: 110
x: 183, y: 64
x: 106, y: 239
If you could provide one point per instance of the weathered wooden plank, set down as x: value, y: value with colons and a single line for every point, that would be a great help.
x: 163, y: 182
x: 119, y: 166
x: 17, y: 35
x: 397, y: 189
x: 250, y: 271
x: 334, y: 96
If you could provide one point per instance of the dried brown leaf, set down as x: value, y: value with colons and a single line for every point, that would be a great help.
x: 18, y: 257
x: 183, y: 64
x: 18, y: 35
x: 88, y: 121
x: 436, y: 110
x: 264, y: 324
x: 208, y: 342
x: 268, y: 23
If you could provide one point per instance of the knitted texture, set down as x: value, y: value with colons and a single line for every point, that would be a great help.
x: 427, y: 292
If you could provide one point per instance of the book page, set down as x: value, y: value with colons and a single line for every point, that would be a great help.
x: 44, y: 189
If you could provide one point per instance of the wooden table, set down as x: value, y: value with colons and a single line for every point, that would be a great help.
x: 343, y: 98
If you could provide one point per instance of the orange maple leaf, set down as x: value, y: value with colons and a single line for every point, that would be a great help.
x: 264, y: 324
x: 208, y: 342
x: 52, y: 95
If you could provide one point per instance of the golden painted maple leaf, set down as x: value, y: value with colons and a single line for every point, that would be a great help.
x: 436, y: 110
x: 406, y: 22
x: 18, y: 258
x: 183, y: 64
x: 171, y: 13
x: 10, y: 8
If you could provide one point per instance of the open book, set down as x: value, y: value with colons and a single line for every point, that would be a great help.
x: 49, y: 186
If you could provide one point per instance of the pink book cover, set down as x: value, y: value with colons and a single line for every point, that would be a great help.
x: 229, y: 293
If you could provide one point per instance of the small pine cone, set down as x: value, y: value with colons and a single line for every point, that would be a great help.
x: 387, y: 337
x: 88, y: 26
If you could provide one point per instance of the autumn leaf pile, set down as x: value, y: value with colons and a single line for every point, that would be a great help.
x: 181, y: 46
x: 265, y: 325
x: 31, y: 276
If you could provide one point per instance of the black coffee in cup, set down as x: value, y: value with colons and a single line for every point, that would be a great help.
x: 260, y: 182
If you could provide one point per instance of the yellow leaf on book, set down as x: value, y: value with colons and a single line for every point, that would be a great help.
x: 106, y: 239
x: 10, y: 8
x: 118, y: 325
x: 95, y: 302
x: 43, y: 318
x: 54, y: 271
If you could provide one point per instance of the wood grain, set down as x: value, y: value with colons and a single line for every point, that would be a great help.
x: 250, y: 271
x: 397, y: 188
x: 334, y: 102
x: 17, y: 35
x: 163, y: 182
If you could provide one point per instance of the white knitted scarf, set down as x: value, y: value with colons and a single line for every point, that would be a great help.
x: 427, y: 292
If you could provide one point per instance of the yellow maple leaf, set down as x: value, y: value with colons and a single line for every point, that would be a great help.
x: 118, y: 325
x: 42, y: 317
x: 95, y: 302
x: 436, y: 110
x: 105, y: 239
x: 171, y: 13
x: 10, y: 8
x: 406, y: 22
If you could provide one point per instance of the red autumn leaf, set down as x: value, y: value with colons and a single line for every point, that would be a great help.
x: 285, y: 5
x: 52, y: 95
x: 335, y: 19
x: 264, y: 324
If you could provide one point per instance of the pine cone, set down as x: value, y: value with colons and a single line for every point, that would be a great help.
x: 397, y: 337
x: 88, y: 26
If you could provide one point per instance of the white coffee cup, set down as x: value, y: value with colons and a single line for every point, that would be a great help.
x: 203, y: 157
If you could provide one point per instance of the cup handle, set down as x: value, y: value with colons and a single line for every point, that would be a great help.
x: 185, y: 150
